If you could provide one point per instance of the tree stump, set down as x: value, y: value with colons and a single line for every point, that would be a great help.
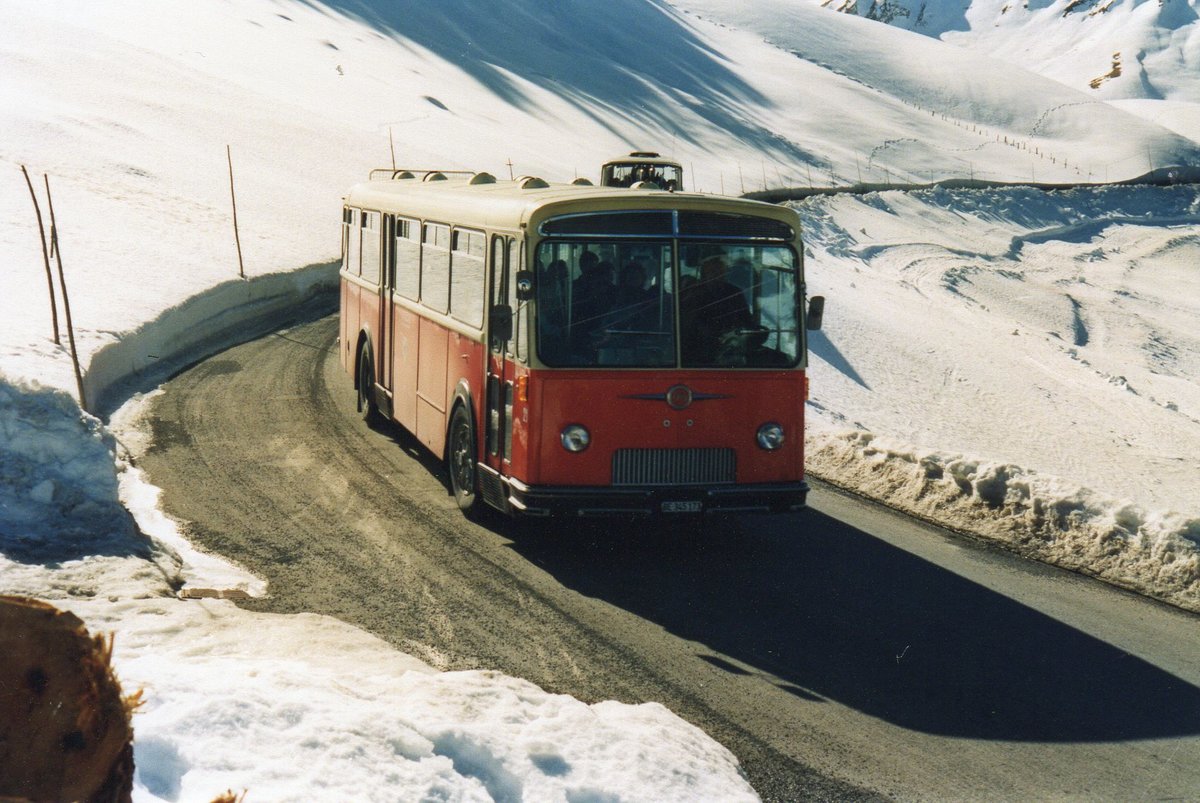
x: 65, y: 732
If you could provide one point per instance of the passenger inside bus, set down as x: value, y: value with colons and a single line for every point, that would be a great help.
x: 592, y: 297
x: 649, y: 174
x: 553, y: 289
x: 635, y: 308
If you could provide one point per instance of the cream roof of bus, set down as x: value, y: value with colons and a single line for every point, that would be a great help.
x: 506, y: 205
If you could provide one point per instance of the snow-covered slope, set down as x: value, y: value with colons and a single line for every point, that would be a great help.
x: 903, y: 106
x: 130, y: 108
x: 1030, y: 359
x: 1108, y: 49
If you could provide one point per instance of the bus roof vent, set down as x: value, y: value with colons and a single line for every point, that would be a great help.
x: 435, y: 176
x: 403, y: 174
x: 644, y: 185
x: 482, y: 178
x: 532, y: 183
x: 582, y: 182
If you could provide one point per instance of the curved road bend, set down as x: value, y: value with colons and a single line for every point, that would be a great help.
x: 843, y: 653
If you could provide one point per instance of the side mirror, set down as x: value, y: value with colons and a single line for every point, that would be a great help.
x: 816, y: 311
x: 524, y: 285
x: 500, y: 323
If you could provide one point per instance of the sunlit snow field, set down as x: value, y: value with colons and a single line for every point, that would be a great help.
x: 1019, y: 325
x: 1030, y: 369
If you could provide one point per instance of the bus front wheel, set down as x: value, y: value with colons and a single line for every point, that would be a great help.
x: 460, y: 460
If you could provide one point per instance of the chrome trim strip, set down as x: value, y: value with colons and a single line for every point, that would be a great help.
x: 662, y: 397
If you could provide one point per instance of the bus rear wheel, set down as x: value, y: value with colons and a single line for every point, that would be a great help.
x: 460, y: 460
x: 366, y: 398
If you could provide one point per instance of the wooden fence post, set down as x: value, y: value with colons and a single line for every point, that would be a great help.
x: 45, y: 256
x: 236, y: 238
x: 62, y: 280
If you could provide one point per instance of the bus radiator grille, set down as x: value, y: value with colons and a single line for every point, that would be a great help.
x: 673, y: 466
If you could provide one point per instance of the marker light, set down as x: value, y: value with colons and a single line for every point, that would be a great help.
x: 770, y: 436
x: 575, y: 438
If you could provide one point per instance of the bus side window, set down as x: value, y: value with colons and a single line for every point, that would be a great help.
x: 346, y: 216
x: 408, y: 258
x: 467, y: 279
x: 370, y: 247
x: 354, y: 242
x: 435, y: 267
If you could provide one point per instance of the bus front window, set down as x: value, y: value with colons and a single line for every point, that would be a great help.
x: 605, y: 304
x: 738, y: 306
x: 613, y: 304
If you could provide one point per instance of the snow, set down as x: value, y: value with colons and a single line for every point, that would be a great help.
x: 1075, y: 42
x: 294, y: 707
x: 1013, y: 363
x: 1019, y: 338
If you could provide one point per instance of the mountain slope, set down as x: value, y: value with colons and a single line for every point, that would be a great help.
x: 1111, y: 49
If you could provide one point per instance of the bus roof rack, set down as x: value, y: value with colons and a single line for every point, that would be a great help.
x: 401, y: 173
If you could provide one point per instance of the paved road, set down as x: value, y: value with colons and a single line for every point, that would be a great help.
x: 843, y: 653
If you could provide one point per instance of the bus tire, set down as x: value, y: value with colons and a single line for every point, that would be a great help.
x: 366, y: 399
x: 460, y: 461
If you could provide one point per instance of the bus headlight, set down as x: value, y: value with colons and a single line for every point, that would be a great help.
x: 575, y: 438
x: 770, y: 436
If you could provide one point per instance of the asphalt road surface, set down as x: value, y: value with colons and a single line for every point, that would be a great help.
x: 843, y: 653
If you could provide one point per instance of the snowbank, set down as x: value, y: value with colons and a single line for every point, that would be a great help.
x: 229, y: 313
x: 58, y: 486
x: 1038, y: 516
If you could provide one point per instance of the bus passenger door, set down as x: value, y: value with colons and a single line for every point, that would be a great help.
x: 370, y: 293
x: 498, y: 393
x: 387, y: 309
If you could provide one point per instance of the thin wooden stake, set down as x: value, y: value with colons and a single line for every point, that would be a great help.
x: 62, y: 282
x: 45, y: 257
x: 233, y: 198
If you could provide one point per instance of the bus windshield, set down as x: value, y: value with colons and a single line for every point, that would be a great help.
x: 646, y: 304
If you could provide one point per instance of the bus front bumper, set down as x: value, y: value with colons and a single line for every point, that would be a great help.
x: 546, y: 500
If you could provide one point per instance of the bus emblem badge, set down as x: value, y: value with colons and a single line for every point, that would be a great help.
x: 679, y: 397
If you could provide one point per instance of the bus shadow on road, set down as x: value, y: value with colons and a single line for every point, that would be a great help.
x: 833, y: 613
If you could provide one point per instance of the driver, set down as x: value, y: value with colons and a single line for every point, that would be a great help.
x: 722, y: 302
x: 713, y: 307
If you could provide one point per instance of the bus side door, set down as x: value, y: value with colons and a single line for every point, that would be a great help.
x: 499, y: 386
x: 387, y: 309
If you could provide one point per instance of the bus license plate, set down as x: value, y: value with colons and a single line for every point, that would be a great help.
x: 689, y: 506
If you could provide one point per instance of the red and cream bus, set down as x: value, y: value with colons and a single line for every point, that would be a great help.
x: 581, y: 350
